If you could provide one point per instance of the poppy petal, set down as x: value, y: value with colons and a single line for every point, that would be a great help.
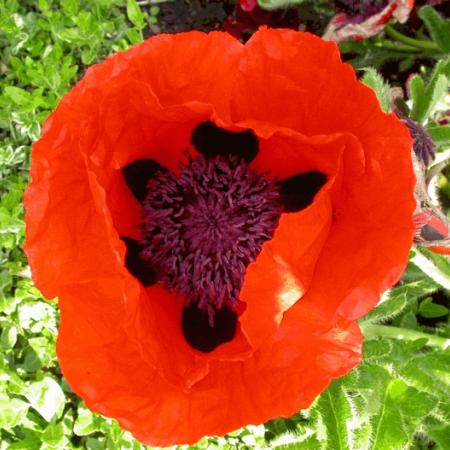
x: 370, y: 237
x: 122, y: 385
x: 138, y: 173
x: 210, y: 140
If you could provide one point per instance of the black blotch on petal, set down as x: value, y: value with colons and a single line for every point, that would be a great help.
x: 138, y: 173
x: 136, y: 265
x: 210, y: 140
x: 198, y: 332
x: 298, y: 192
x: 430, y: 234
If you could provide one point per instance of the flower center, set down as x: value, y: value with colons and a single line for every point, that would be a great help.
x: 202, y: 228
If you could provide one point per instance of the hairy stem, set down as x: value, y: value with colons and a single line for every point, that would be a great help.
x: 372, y: 331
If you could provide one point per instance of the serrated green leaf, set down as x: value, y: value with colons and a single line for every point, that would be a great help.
x: 334, y: 411
x: 438, y: 27
x: 388, y: 309
x: 376, y: 348
x: 402, y: 408
x: 415, y: 289
x: 294, y: 442
x: 429, y: 372
x: 374, y: 80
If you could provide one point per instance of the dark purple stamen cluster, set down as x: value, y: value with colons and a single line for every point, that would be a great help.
x: 202, y: 228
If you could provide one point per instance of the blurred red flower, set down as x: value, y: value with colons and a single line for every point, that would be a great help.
x: 248, y: 16
x: 361, y: 19
x: 295, y: 135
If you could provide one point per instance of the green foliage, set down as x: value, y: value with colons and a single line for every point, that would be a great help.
x: 440, y: 135
x: 398, y: 396
x: 425, y: 96
x: 375, y: 81
x: 438, y: 27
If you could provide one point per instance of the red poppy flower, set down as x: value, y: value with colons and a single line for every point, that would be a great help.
x: 214, y: 217
x: 365, y: 18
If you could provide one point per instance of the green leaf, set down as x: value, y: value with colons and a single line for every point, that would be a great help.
x: 438, y: 27
x: 424, y: 99
x: 409, y: 321
x: 53, y: 434
x: 391, y: 307
x: 402, y: 409
x: 334, y: 410
x: 437, y: 267
x: 94, y: 444
x: 135, y: 14
x: 8, y: 336
x: 12, y: 412
x: 277, y: 4
x: 296, y: 442
x: 431, y: 310
x: 440, y: 433
x: 376, y: 348
x: 85, y: 423
x: 70, y: 6
x: 440, y: 135
x: 30, y: 441
x: 429, y: 372
x: 46, y: 397
x: 374, y: 80
x: 18, y: 95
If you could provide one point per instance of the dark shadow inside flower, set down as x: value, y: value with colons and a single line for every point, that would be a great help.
x: 201, y: 334
x: 210, y: 140
x: 136, y: 265
x: 138, y: 173
x: 298, y: 191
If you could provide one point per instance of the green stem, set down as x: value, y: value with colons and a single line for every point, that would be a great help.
x: 416, y: 43
x: 397, y: 47
x: 372, y: 331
